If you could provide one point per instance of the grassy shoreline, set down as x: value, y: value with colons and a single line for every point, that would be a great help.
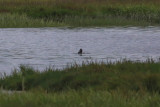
x: 133, y: 76
x: 119, y: 84
x: 88, y: 13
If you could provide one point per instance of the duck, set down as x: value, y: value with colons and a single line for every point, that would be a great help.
x: 80, y: 51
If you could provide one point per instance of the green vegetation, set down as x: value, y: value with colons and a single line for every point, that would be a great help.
x: 122, y: 84
x: 15, y: 20
x: 83, y: 98
x: 79, y: 13
x: 125, y: 75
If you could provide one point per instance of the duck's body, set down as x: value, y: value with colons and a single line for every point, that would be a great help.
x: 80, y: 51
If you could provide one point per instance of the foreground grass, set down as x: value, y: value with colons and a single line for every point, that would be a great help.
x: 83, y: 98
x: 126, y: 75
x: 79, y: 13
x: 119, y: 84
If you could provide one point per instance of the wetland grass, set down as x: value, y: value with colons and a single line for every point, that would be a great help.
x: 126, y: 75
x: 81, y: 13
x: 120, y: 84
x: 23, y: 21
x: 82, y: 98
x: 8, y: 20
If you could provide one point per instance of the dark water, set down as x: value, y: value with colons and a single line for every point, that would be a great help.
x: 43, y: 47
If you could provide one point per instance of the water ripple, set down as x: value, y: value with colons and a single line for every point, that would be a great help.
x: 58, y: 47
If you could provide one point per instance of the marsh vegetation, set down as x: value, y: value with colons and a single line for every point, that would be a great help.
x: 124, y: 83
x: 79, y: 13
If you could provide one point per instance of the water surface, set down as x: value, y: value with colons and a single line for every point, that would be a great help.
x: 43, y: 47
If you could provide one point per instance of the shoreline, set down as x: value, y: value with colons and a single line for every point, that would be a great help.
x: 23, y: 21
x: 124, y: 83
x: 80, y: 15
x: 87, y: 73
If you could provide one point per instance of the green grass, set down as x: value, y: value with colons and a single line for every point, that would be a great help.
x: 80, y: 13
x: 126, y: 75
x: 83, y: 98
x: 16, y: 21
x: 21, y: 21
x: 120, y: 84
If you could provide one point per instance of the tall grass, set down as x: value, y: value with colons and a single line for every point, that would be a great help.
x: 79, y: 2
x: 16, y: 20
x: 120, y: 84
x: 86, y: 12
x: 127, y: 75
x: 83, y: 98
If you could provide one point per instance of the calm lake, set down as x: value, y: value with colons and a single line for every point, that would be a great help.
x: 58, y: 47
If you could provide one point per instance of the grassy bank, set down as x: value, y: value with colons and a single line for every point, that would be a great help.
x: 120, y: 84
x: 17, y: 21
x: 23, y: 21
x: 80, y: 13
x: 126, y: 75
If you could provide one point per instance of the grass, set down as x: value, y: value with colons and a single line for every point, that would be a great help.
x: 22, y: 21
x: 81, y: 13
x: 16, y: 21
x: 126, y: 75
x: 83, y: 98
x: 120, y: 84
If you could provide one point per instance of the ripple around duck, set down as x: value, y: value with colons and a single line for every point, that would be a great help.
x: 42, y: 47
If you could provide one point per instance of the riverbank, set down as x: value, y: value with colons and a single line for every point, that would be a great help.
x: 123, y: 83
x: 122, y: 75
x: 49, y: 13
